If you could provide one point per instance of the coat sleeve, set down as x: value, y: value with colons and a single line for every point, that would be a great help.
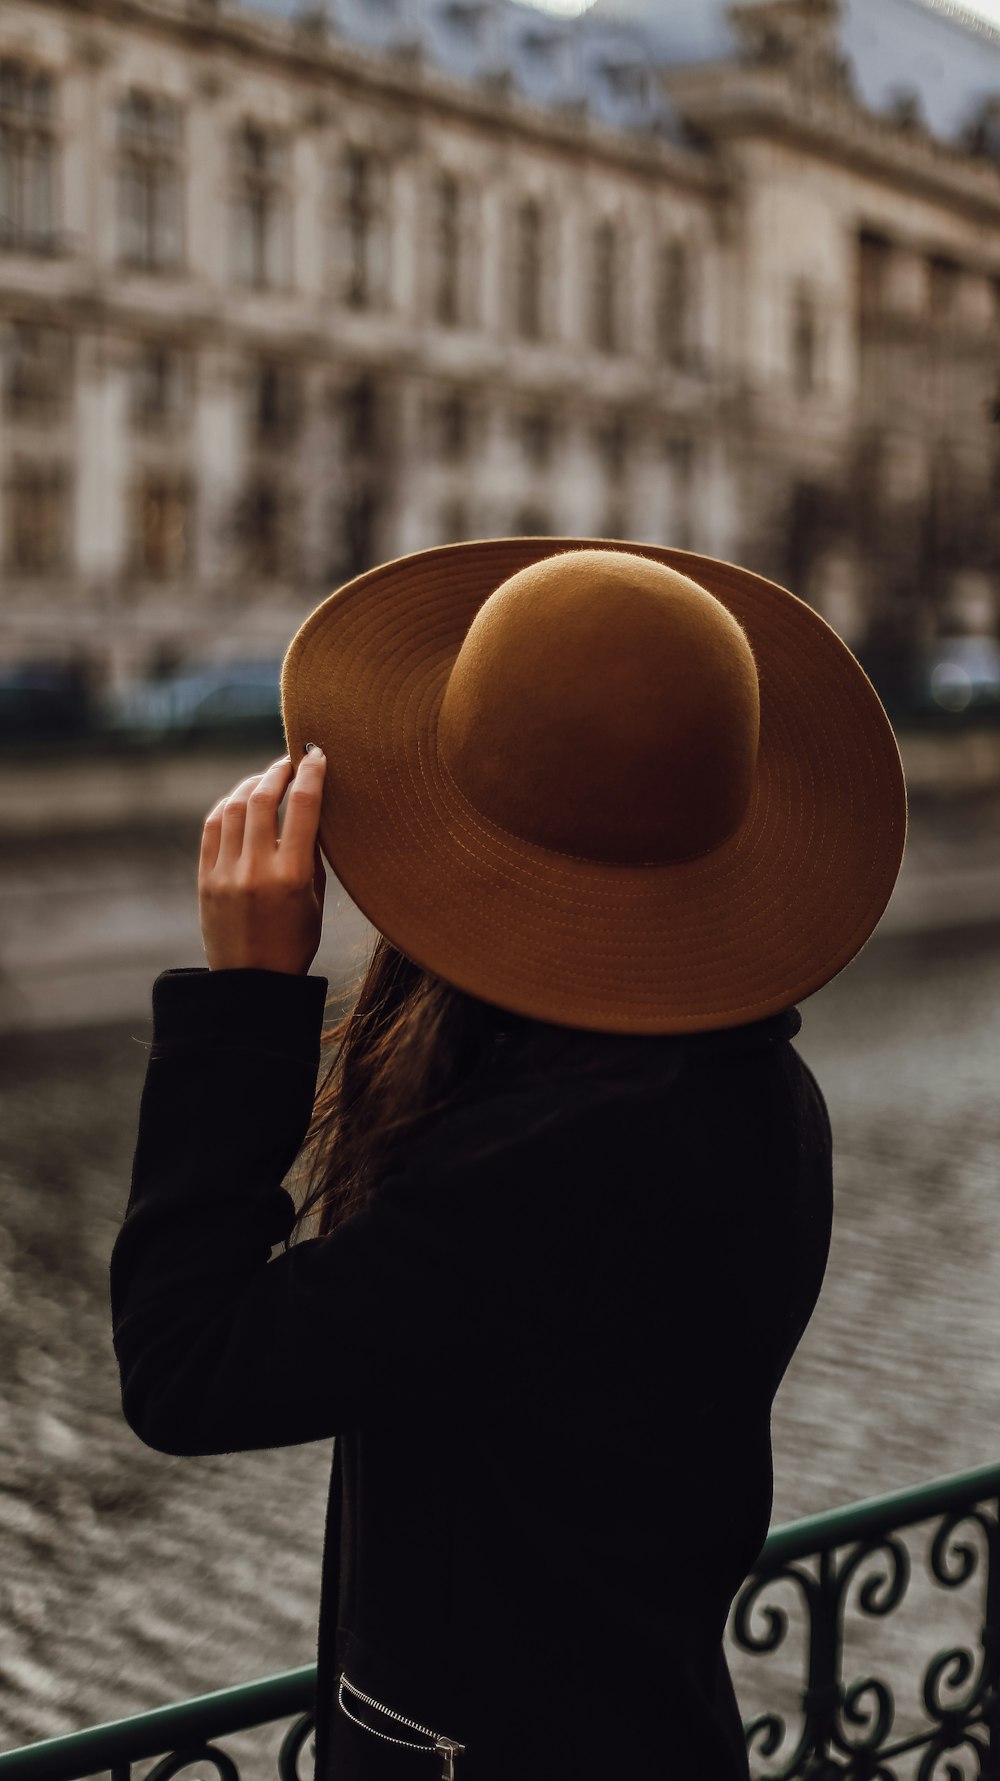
x: 222, y: 1349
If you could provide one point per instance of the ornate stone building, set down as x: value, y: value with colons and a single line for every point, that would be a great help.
x: 282, y: 296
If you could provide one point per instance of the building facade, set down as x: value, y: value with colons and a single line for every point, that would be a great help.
x: 277, y: 303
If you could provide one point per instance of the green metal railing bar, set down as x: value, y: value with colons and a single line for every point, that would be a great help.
x: 878, y: 1515
x: 119, y: 1742
x: 188, y: 1726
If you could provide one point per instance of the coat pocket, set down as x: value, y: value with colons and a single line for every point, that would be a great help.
x: 384, y: 1722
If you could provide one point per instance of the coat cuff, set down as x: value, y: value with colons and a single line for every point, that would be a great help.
x: 255, y: 1010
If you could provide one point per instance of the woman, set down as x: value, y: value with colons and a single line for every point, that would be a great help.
x: 614, y: 810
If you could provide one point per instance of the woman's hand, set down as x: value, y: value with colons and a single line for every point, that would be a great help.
x: 261, y: 894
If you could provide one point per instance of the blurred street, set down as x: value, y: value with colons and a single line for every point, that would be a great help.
x: 98, y: 887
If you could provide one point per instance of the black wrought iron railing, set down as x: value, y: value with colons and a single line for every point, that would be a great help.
x: 929, y: 1555
x: 818, y: 1583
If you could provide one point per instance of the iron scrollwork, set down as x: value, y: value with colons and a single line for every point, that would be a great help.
x: 848, y: 1726
x: 209, y: 1755
x: 171, y: 1765
x: 291, y: 1747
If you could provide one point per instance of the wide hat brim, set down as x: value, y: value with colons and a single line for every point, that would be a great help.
x: 736, y: 935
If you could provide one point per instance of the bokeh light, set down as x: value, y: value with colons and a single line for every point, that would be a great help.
x: 564, y: 9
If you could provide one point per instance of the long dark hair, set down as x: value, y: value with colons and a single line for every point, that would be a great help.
x: 411, y: 1047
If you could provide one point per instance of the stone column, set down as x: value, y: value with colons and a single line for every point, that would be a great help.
x: 101, y: 458
x: 208, y: 190
x: 88, y: 116
x: 405, y: 223
x: 407, y: 523
x: 307, y: 208
x: 318, y: 453
x: 218, y: 466
x: 647, y: 489
x: 493, y: 275
x: 581, y: 495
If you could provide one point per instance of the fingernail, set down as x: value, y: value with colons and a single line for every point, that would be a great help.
x: 312, y: 748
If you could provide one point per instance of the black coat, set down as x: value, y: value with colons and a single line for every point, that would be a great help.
x: 550, y: 1375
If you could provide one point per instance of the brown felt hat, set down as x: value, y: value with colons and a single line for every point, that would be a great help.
x: 608, y: 785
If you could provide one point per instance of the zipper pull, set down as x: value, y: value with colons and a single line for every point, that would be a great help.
x: 449, y: 1750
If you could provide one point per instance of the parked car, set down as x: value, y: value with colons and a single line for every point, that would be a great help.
x: 959, y: 674
x: 209, y: 700
x: 41, y: 700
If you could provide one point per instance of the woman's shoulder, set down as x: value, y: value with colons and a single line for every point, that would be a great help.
x: 521, y: 1112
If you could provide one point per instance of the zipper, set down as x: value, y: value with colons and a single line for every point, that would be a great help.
x: 447, y: 1748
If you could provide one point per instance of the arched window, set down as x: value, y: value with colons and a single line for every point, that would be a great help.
x: 528, y: 270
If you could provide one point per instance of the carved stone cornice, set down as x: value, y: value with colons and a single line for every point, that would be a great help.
x: 406, y: 81
x: 91, y: 50
x: 727, y: 101
x: 803, y: 34
x: 316, y: 115
x: 209, y: 85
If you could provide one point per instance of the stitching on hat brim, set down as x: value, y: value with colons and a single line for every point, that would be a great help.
x: 748, y: 930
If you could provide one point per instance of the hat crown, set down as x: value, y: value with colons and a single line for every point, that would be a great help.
x: 605, y: 706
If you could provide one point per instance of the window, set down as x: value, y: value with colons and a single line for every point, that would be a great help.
x: 804, y: 343
x: 611, y: 440
x: 38, y: 371
x: 532, y: 522
x: 943, y: 516
x: 447, y: 293
x: 874, y: 254
x: 454, y: 521
x: 162, y: 526
x: 943, y: 277
x: 806, y: 532
x: 536, y: 437
x: 673, y: 303
x: 359, y: 519
x: 277, y: 402
x: 869, y: 491
x: 604, y: 319
x: 149, y: 182
x: 528, y: 271
x: 267, y: 524
x: 37, y: 508
x: 27, y: 158
x: 680, y: 456
x: 263, y: 522
x: 261, y: 212
x: 360, y: 416
x: 159, y: 386
x: 452, y: 427
x: 360, y: 235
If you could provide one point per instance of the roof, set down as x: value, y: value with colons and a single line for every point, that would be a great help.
x: 607, y: 57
